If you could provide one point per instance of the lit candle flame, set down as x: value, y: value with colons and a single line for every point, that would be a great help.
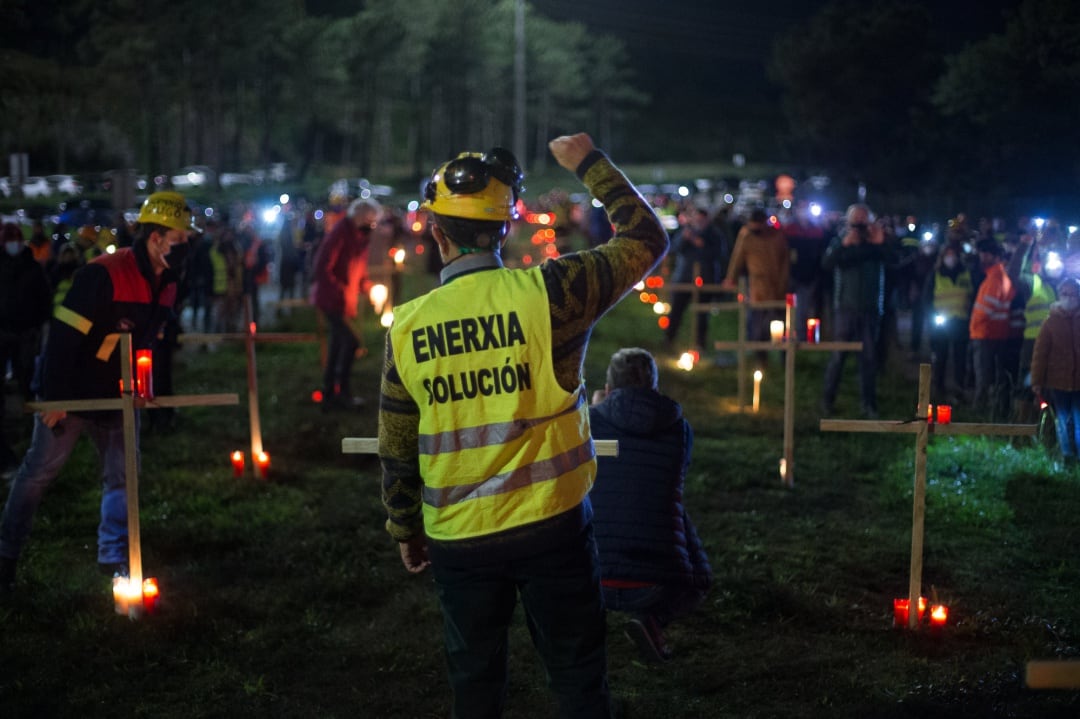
x: 378, y: 296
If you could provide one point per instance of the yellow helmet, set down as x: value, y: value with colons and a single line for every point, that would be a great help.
x: 168, y: 209
x: 476, y: 186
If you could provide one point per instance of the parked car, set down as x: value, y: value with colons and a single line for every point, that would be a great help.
x: 228, y: 179
x: 194, y: 176
x: 64, y: 184
x: 36, y: 187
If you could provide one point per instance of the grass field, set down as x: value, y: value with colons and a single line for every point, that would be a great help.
x: 286, y: 598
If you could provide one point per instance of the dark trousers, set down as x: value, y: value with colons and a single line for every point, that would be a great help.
x: 949, y: 343
x: 18, y: 348
x: 564, y: 612
x: 665, y: 602
x: 996, y: 363
x: 680, y: 303
x: 340, y: 353
x: 851, y: 326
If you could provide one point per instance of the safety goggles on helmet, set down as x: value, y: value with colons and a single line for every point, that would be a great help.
x: 463, y: 187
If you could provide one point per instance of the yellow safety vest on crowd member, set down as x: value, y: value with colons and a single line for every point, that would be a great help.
x: 501, y: 443
x: 1038, y: 306
x: 951, y: 296
x: 220, y: 272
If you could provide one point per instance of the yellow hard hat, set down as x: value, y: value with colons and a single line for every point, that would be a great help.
x: 476, y: 186
x: 168, y: 209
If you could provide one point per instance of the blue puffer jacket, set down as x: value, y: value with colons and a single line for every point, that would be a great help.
x: 641, y: 526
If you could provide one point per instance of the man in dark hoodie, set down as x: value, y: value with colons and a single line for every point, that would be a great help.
x: 652, y: 563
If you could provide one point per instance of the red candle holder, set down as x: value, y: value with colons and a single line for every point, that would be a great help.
x: 789, y: 299
x: 237, y: 459
x: 901, y: 610
x: 944, y: 414
x: 150, y: 595
x: 144, y: 374
x: 939, y: 614
x: 813, y: 330
x: 262, y: 463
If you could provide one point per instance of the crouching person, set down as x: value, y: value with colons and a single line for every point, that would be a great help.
x: 652, y: 564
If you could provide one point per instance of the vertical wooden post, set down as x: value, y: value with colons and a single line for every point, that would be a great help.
x: 253, y: 388
x: 918, y: 512
x: 131, y: 462
x: 740, y: 366
x: 790, y: 332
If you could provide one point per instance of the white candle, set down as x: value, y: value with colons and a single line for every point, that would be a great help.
x: 757, y: 389
x: 776, y: 330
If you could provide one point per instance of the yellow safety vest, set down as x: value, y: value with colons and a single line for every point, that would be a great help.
x: 1038, y: 306
x: 501, y: 443
x: 220, y: 276
x: 951, y: 296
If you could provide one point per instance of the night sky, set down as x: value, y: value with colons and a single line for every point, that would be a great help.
x: 717, y: 51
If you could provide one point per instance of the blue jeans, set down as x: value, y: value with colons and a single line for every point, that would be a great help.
x: 49, y: 451
x: 564, y: 612
x: 665, y: 602
x: 1067, y: 409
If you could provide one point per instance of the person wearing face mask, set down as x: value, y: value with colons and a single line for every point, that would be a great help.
x: 995, y: 322
x: 132, y: 290
x: 952, y: 292
x: 1035, y: 270
x: 339, y: 276
x: 24, y: 307
x: 1055, y: 367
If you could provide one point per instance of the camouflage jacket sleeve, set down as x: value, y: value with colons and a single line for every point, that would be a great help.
x: 582, y: 286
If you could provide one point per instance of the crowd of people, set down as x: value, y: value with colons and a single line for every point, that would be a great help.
x: 972, y: 300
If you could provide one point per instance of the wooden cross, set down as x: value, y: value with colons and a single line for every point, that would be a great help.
x: 922, y: 429
x: 250, y: 339
x: 789, y: 345
x: 370, y: 445
x: 127, y: 403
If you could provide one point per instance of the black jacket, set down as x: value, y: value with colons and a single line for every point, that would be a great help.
x: 25, y: 296
x: 114, y: 293
x: 642, y: 529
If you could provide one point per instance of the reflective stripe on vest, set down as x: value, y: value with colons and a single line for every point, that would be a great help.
x: 108, y: 346
x: 73, y: 319
x: 1038, y: 306
x: 501, y: 443
x: 951, y: 296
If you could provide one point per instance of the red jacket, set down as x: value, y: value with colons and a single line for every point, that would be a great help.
x: 339, y: 269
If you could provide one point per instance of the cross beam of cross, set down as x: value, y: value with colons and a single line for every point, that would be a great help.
x: 370, y: 445
x: 789, y: 345
x: 922, y: 429
x: 127, y: 403
x: 250, y: 339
